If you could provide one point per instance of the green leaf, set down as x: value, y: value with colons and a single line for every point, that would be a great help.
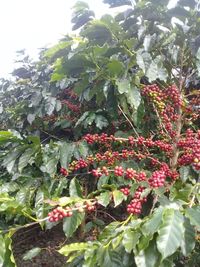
x: 82, y: 118
x: 55, y: 49
x: 188, y: 241
x: 134, y: 97
x: 148, y: 257
x: 118, y: 197
x: 101, y: 121
x: 63, y: 201
x: 144, y: 242
x: 115, y: 68
x: 156, y: 70
x: 104, y: 198
x: 109, y: 230
x: 6, y: 255
x: 51, y: 166
x: 75, y: 188
x: 144, y: 60
x: 31, y: 118
x: 153, y: 223
x: 10, y: 159
x: 130, y: 240
x: 123, y: 85
x: 66, y: 153
x: 50, y: 105
x: 194, y: 215
x: 171, y: 233
x: 67, y: 249
x: 102, y: 181
x: 70, y: 224
x: 2, y: 250
x: 39, y: 204
x: 182, y: 193
x: 107, y: 257
x: 24, y: 159
x: 98, y: 33
x: 31, y: 253
x: 184, y: 172
x: 83, y: 149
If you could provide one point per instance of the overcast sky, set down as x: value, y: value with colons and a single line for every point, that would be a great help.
x: 33, y: 24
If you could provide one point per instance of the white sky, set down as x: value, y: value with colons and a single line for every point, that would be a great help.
x: 32, y: 24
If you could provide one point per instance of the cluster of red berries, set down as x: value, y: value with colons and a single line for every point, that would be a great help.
x: 141, y: 176
x: 63, y: 171
x: 140, y: 141
x: 157, y: 179
x: 125, y: 191
x: 97, y: 172
x: 135, y: 206
x: 190, y: 146
x: 110, y: 157
x: 118, y: 171
x: 167, y: 101
x: 90, y: 206
x: 168, y: 172
x: 174, y: 95
x: 130, y: 173
x: 71, y: 106
x: 59, y: 213
x: 95, y: 138
x: 70, y: 93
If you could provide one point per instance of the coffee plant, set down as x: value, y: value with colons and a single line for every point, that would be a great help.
x: 102, y: 136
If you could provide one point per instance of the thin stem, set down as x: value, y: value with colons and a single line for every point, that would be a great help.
x: 51, y: 135
x: 131, y: 124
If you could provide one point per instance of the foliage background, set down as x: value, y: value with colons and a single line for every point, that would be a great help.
x: 91, y: 82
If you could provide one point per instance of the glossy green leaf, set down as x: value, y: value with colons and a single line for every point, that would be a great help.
x: 130, y: 240
x: 123, y: 85
x: 184, y: 173
x: 51, y: 166
x: 144, y: 60
x: 148, y: 257
x: 25, y: 158
x: 67, y: 249
x: 118, y: 197
x: 70, y: 224
x: 66, y: 153
x: 188, y: 241
x: 101, y: 122
x: 156, y: 70
x: 39, y: 204
x: 75, y: 188
x: 134, y: 97
x: 6, y: 254
x: 115, y: 68
x: 107, y: 257
x: 104, y: 198
x: 194, y: 215
x: 170, y: 233
x: 153, y: 223
x: 31, y: 253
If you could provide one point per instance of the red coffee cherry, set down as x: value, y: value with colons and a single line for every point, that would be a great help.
x: 118, y: 171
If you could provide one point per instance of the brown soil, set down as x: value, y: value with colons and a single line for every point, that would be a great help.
x: 50, y: 241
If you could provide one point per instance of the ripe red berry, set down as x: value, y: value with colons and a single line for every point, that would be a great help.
x: 118, y: 171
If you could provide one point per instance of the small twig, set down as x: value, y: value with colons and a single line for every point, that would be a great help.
x: 101, y: 211
x: 154, y: 203
x: 192, y: 201
x: 51, y: 135
x: 131, y: 124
